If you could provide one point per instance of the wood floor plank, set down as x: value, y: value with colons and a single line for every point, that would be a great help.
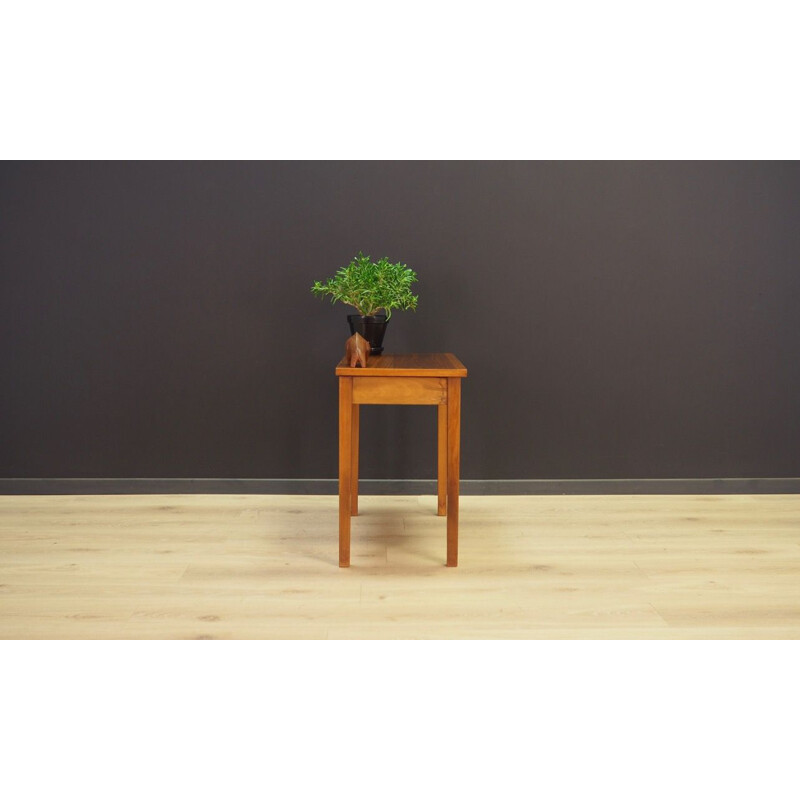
x: 546, y: 567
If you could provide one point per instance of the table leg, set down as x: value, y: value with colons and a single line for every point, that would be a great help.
x: 354, y: 462
x: 453, y: 458
x: 345, y: 466
x: 441, y: 509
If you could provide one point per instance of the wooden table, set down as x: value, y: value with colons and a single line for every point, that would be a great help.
x: 429, y: 379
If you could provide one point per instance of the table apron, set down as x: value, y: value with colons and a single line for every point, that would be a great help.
x: 400, y: 391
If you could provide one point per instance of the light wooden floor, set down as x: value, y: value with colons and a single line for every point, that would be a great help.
x: 253, y: 566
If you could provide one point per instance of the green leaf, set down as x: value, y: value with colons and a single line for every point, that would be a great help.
x: 370, y: 286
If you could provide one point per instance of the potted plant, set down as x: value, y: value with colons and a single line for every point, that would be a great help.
x: 371, y: 286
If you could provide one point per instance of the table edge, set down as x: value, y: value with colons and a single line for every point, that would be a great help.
x: 409, y: 372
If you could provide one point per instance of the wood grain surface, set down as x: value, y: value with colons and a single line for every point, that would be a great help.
x: 444, y: 365
x: 400, y: 391
x: 249, y: 566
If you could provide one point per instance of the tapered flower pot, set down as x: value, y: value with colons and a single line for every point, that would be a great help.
x: 372, y: 329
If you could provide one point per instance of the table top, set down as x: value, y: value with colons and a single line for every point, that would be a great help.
x: 406, y: 365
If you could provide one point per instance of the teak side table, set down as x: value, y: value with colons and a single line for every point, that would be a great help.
x: 427, y: 379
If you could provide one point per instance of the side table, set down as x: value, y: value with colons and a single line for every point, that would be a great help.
x: 430, y: 379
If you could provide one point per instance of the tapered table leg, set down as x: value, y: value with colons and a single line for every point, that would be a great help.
x: 345, y: 467
x: 441, y: 508
x: 354, y: 462
x: 453, y: 458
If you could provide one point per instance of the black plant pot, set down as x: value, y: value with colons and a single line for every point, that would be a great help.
x: 372, y: 329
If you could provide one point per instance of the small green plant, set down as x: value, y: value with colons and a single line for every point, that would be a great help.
x: 370, y: 286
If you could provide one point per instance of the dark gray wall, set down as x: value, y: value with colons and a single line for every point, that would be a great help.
x: 619, y: 320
